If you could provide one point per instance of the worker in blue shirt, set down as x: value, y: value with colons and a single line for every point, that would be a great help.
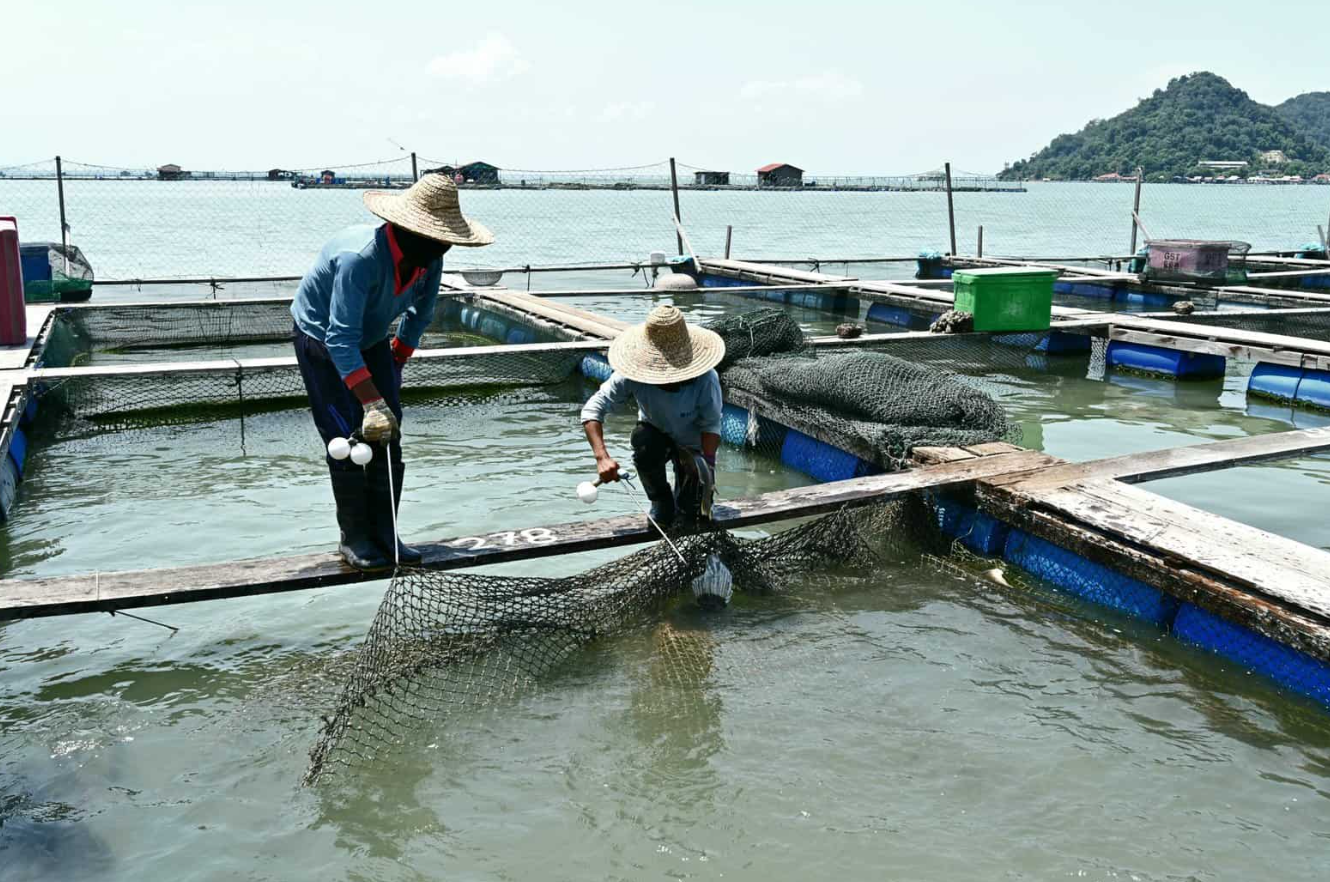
x: 364, y: 280
x: 669, y: 368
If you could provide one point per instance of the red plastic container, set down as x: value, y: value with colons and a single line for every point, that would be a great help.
x: 13, y: 314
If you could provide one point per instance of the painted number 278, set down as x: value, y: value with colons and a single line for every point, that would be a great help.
x: 533, y: 536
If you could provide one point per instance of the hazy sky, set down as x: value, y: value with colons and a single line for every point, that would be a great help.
x: 835, y: 87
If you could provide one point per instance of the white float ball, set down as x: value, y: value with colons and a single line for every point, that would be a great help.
x: 361, y: 454
x: 587, y: 492
x: 339, y: 448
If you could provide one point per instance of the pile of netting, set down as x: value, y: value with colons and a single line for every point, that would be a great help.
x: 866, y: 401
x: 451, y: 642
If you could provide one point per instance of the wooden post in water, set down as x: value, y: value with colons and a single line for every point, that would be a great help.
x: 1136, y: 209
x: 980, y: 251
x: 64, y: 225
x: 674, y: 188
x: 60, y: 192
x: 951, y: 211
x: 729, y: 233
x: 415, y: 176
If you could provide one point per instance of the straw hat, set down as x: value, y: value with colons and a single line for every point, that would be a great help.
x: 429, y: 208
x: 665, y: 349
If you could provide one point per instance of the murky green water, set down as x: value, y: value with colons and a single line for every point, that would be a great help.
x: 904, y: 725
x: 906, y: 720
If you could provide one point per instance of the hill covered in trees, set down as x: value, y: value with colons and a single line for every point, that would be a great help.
x: 1310, y: 112
x: 1197, y: 117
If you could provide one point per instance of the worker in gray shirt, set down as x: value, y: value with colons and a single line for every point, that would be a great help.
x: 669, y: 368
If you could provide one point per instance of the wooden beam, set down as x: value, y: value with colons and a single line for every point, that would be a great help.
x: 1173, y: 462
x: 111, y: 591
x: 1099, y: 540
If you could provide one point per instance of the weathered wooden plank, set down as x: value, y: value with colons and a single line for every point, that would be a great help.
x: 1208, y: 347
x: 229, y: 365
x: 770, y: 270
x: 935, y: 455
x: 1274, y: 618
x: 109, y: 591
x: 586, y: 322
x: 1271, y: 565
x: 1174, y: 462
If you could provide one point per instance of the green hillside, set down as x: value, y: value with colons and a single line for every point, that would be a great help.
x: 1310, y: 112
x: 1197, y: 117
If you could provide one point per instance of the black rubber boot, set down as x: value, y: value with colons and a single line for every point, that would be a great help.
x: 357, y: 545
x: 380, y: 494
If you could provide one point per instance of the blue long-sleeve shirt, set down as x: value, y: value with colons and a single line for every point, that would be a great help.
x: 354, y: 292
x: 684, y: 414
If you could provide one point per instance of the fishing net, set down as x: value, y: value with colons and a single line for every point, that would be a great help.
x: 873, y: 404
x: 443, y: 643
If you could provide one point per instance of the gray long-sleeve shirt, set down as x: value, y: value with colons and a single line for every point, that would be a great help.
x: 684, y: 414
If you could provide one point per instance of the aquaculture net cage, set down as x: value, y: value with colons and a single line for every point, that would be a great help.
x: 1197, y: 261
x: 443, y: 643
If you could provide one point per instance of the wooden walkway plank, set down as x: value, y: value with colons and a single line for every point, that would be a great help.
x: 1296, y: 574
x: 62, y: 595
x: 1174, y: 462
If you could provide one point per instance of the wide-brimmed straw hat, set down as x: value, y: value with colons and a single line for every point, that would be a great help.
x: 429, y: 208
x: 665, y: 349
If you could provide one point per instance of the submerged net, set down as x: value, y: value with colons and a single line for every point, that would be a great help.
x: 873, y: 404
x: 447, y: 642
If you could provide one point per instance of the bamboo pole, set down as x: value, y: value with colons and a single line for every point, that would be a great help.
x: 415, y: 176
x: 1136, y: 210
x: 980, y: 251
x: 674, y: 188
x: 951, y: 211
x: 729, y: 233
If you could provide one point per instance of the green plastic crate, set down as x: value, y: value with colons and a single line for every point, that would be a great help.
x: 1006, y: 299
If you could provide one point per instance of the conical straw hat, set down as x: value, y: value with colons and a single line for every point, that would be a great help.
x: 429, y: 208
x: 665, y: 349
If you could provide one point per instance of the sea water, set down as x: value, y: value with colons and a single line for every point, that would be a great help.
x: 899, y: 724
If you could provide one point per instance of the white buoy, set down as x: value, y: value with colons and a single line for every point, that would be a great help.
x: 362, y: 454
x: 339, y: 448
x: 587, y: 492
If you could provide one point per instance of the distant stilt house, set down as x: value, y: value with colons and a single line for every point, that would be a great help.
x: 711, y: 178
x: 327, y: 176
x: 280, y: 174
x: 780, y: 174
x: 469, y: 173
x: 171, y: 172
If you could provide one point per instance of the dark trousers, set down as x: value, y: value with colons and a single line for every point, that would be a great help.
x: 337, y: 411
x: 652, y: 450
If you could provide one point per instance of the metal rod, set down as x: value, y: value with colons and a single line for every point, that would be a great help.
x: 629, y: 484
x: 980, y: 251
x: 415, y: 176
x: 1136, y: 210
x: 729, y: 234
x: 951, y: 210
x: 121, y: 612
x: 674, y: 188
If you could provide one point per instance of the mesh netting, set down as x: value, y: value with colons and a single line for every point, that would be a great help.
x: 444, y: 643
x: 873, y: 404
x: 1313, y: 324
x: 117, y: 401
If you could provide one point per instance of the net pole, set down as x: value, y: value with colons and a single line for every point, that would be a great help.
x: 729, y: 234
x: 674, y: 188
x: 1136, y: 210
x: 415, y: 176
x: 951, y: 210
x: 979, y: 252
x: 60, y: 193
